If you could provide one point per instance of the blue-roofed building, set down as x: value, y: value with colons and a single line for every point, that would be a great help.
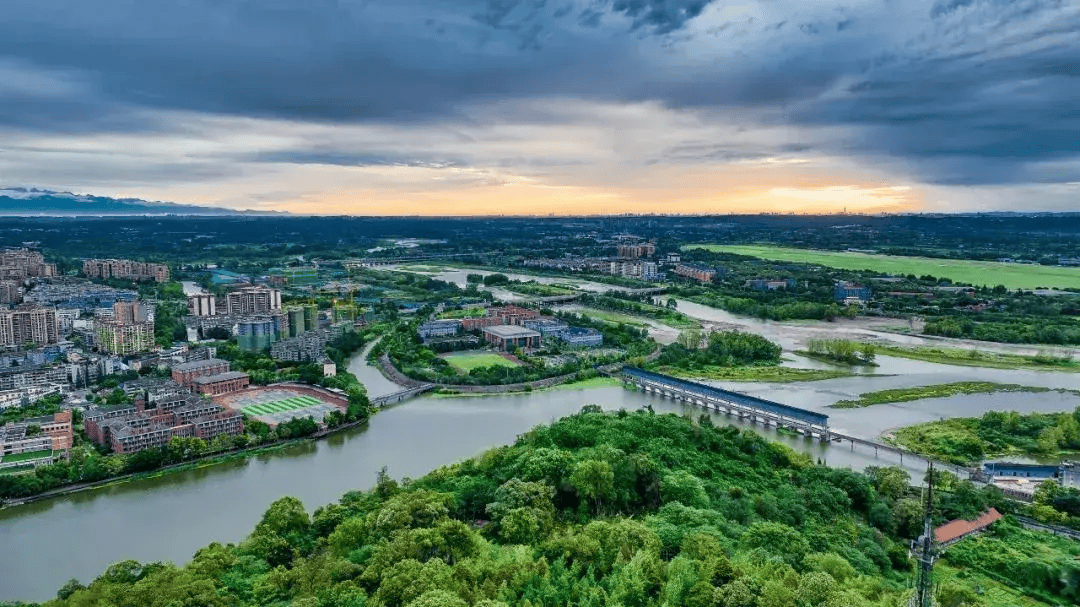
x: 583, y: 336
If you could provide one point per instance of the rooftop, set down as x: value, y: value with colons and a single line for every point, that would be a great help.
x: 209, y: 379
x: 959, y: 528
x: 510, y: 331
x: 198, y: 364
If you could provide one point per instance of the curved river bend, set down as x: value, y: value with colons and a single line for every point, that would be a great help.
x: 170, y: 517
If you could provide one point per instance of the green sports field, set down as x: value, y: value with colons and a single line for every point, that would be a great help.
x: 469, y: 361
x: 988, y: 273
x: 280, y: 406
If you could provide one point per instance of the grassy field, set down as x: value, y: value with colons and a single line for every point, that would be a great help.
x: 22, y: 457
x: 469, y: 361
x: 612, y: 317
x: 974, y: 358
x: 901, y: 395
x: 766, y: 374
x: 595, y: 382
x: 279, y: 406
x: 464, y: 313
x: 989, y: 273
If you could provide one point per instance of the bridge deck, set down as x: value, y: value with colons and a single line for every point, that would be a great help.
x: 760, y: 404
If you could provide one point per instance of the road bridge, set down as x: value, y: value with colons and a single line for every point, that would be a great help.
x: 397, y: 397
x: 757, y: 410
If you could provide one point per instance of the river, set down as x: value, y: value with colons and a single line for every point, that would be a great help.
x: 170, y: 517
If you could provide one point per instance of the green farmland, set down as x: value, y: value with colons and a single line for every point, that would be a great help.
x: 988, y: 273
x: 467, y: 362
x: 280, y: 406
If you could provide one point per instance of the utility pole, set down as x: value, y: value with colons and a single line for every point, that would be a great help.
x: 924, y: 583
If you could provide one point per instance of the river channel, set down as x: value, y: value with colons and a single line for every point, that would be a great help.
x: 170, y: 517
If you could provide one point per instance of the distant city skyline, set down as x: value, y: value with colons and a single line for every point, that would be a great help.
x: 530, y: 107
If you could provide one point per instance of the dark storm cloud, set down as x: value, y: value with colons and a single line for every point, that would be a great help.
x: 965, y: 91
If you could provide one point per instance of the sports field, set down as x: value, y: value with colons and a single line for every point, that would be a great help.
x: 281, y: 406
x: 276, y: 404
x: 471, y: 360
x: 988, y: 273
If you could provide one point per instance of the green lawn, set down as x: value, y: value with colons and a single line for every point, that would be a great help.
x: 22, y: 457
x: 468, y: 361
x: 280, y: 406
x: 464, y: 313
x: 772, y: 374
x: 989, y: 273
x: 902, y: 395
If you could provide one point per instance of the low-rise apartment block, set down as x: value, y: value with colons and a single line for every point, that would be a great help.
x: 125, y: 269
x: 48, y: 433
x: 771, y: 284
x: 439, y: 328
x: 128, y: 429
x: 850, y: 292
x: 33, y: 376
x: 309, y: 346
x: 698, y: 272
x: 505, y: 315
x: 76, y: 293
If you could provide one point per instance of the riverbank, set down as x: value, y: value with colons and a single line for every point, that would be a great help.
x: 213, y: 459
x: 901, y: 395
x: 772, y: 374
x: 976, y: 358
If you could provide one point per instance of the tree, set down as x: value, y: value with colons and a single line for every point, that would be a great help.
x: 671, y: 303
x: 891, y: 482
x: 593, y: 480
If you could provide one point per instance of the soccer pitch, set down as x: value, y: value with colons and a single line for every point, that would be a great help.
x: 281, y: 406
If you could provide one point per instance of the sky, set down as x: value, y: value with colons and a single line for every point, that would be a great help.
x: 465, y: 107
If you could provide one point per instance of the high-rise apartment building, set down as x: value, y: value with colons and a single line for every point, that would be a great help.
x: 253, y: 300
x: 126, y: 269
x: 128, y: 331
x: 202, y: 304
x: 20, y: 264
x: 29, y: 324
x: 10, y: 293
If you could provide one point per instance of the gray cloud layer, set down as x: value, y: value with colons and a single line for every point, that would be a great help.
x: 958, y: 92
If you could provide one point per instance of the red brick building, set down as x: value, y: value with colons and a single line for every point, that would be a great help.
x: 185, y: 374
x: 222, y: 383
x: 505, y: 315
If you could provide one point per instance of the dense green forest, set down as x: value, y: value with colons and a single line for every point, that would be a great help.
x: 963, y: 440
x: 626, y: 509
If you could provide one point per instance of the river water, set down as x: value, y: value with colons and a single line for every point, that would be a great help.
x: 170, y: 517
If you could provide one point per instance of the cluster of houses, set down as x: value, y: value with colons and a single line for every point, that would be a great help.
x: 509, y: 327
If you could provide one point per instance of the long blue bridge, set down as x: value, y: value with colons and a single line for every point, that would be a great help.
x: 751, y: 408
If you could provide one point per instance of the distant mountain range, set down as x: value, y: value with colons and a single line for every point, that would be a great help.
x: 32, y: 201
